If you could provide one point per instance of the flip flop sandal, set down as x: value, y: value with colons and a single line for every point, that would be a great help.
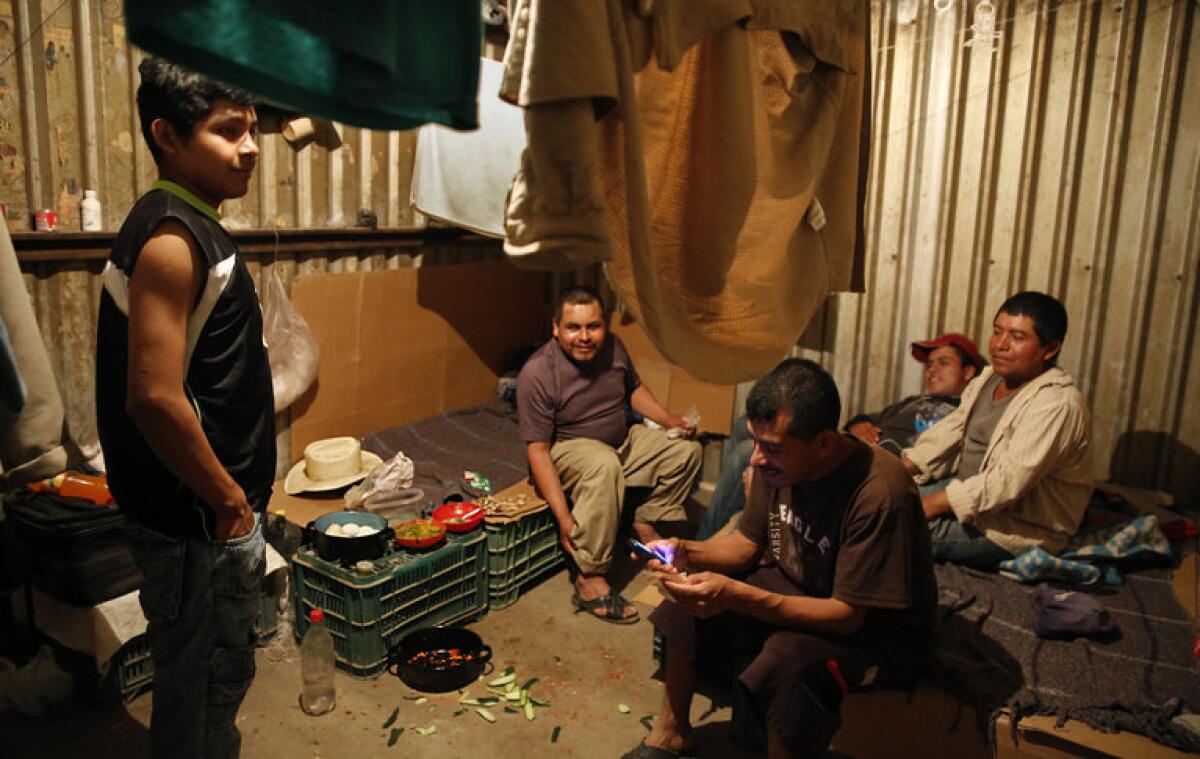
x: 642, y: 751
x: 613, y: 605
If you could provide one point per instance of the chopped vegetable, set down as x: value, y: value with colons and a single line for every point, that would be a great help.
x: 556, y: 731
x: 623, y: 709
x: 441, y: 658
x: 426, y: 730
x: 514, y: 695
x: 420, y: 700
x: 529, y: 715
x: 529, y: 683
x: 481, y: 701
x: 412, y: 698
x: 647, y: 722
x: 538, y: 701
x: 524, y: 697
x: 459, y: 712
x: 391, y: 720
x: 503, y: 680
x: 422, y: 528
x: 511, y: 710
x: 432, y: 707
x: 396, y: 733
x: 486, y: 714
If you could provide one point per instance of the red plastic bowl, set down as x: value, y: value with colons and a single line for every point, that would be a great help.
x: 419, y: 543
x: 456, y: 510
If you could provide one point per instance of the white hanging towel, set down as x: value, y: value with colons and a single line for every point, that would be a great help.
x: 462, y: 177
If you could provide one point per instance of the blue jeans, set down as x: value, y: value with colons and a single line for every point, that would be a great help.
x: 200, y: 599
x: 729, y: 497
x: 960, y: 543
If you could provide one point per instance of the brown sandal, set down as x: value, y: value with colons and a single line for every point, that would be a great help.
x: 613, y: 605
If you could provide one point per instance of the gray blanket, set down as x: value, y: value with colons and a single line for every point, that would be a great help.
x: 480, y: 438
x: 1136, y: 680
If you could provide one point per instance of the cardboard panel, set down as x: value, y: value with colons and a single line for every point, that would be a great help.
x: 400, y: 346
x: 675, y: 389
x: 1041, y: 737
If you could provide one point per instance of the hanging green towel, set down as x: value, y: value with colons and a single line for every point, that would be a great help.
x: 379, y: 64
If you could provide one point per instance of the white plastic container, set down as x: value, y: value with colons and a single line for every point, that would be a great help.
x: 397, y: 506
x: 90, y: 216
x: 316, y: 666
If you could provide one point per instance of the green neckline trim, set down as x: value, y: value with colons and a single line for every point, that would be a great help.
x: 186, y: 196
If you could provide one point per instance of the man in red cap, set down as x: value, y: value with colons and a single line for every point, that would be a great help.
x: 951, y: 361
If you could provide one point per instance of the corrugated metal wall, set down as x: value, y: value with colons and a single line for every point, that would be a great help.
x: 68, y: 122
x: 1067, y: 161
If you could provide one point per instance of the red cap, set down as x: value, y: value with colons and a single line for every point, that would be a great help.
x: 316, y: 615
x: 922, y: 348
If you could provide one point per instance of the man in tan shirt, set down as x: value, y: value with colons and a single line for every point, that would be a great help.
x: 1015, y: 454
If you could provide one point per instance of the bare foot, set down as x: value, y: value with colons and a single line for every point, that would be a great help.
x: 590, y: 587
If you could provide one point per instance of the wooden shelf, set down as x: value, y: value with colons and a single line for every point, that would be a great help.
x: 43, y: 247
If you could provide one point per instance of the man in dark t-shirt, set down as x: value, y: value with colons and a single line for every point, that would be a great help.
x: 847, y: 593
x: 185, y: 410
x: 572, y: 396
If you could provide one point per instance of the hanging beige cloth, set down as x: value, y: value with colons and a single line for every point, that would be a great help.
x: 37, y: 446
x: 730, y: 170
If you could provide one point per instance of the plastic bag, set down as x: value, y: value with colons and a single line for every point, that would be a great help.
x: 394, y: 474
x: 40, y: 686
x: 291, y: 348
x: 693, y: 418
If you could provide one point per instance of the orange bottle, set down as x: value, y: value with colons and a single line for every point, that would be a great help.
x: 88, y: 487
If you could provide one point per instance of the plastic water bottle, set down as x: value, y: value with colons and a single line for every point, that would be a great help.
x: 90, y: 217
x: 316, y: 665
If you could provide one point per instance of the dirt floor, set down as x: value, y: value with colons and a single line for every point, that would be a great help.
x: 586, y: 669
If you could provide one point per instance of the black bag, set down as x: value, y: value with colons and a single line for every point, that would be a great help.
x: 75, y: 550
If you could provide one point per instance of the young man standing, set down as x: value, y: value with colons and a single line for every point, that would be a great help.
x: 572, y: 397
x: 849, y: 587
x: 1016, y: 450
x: 185, y: 409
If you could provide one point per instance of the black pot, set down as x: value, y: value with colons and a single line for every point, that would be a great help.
x: 430, y: 679
x: 349, y: 550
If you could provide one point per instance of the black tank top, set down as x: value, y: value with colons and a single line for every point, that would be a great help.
x: 227, y: 376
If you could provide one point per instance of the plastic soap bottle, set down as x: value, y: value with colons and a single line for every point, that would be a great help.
x: 316, y: 665
x: 90, y: 216
x: 89, y: 487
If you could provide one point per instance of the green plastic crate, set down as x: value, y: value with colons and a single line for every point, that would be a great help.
x: 519, y: 554
x: 134, y: 668
x: 130, y: 671
x: 366, y: 613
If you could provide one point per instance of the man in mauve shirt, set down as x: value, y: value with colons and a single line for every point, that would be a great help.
x: 572, y: 396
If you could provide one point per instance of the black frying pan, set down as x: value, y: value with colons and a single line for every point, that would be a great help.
x: 439, y: 678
